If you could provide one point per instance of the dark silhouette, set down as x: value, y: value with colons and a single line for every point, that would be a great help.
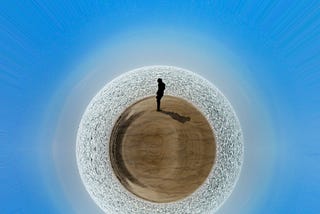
x: 161, y: 87
x: 176, y: 116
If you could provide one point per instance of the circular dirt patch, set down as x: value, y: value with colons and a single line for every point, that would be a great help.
x: 162, y: 156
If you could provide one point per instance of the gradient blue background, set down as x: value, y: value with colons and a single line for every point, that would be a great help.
x: 266, y: 51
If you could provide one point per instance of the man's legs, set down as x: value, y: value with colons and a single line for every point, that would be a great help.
x: 158, y: 102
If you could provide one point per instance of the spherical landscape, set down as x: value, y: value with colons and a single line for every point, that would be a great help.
x: 102, y: 114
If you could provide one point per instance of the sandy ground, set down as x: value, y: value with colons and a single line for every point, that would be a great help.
x: 162, y: 156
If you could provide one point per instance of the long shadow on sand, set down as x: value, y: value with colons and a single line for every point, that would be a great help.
x: 176, y: 116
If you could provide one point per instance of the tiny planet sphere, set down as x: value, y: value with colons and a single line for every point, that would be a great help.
x: 98, y: 157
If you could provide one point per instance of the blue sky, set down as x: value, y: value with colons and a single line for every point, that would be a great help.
x: 263, y: 55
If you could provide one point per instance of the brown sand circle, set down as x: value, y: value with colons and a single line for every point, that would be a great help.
x: 162, y: 156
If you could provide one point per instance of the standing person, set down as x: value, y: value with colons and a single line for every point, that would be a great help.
x: 161, y: 87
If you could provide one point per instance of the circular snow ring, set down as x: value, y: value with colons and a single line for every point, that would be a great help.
x: 97, y: 122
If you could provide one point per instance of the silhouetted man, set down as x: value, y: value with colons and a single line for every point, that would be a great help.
x: 161, y: 87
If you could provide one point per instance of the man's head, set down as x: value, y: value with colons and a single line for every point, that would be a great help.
x: 159, y: 80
